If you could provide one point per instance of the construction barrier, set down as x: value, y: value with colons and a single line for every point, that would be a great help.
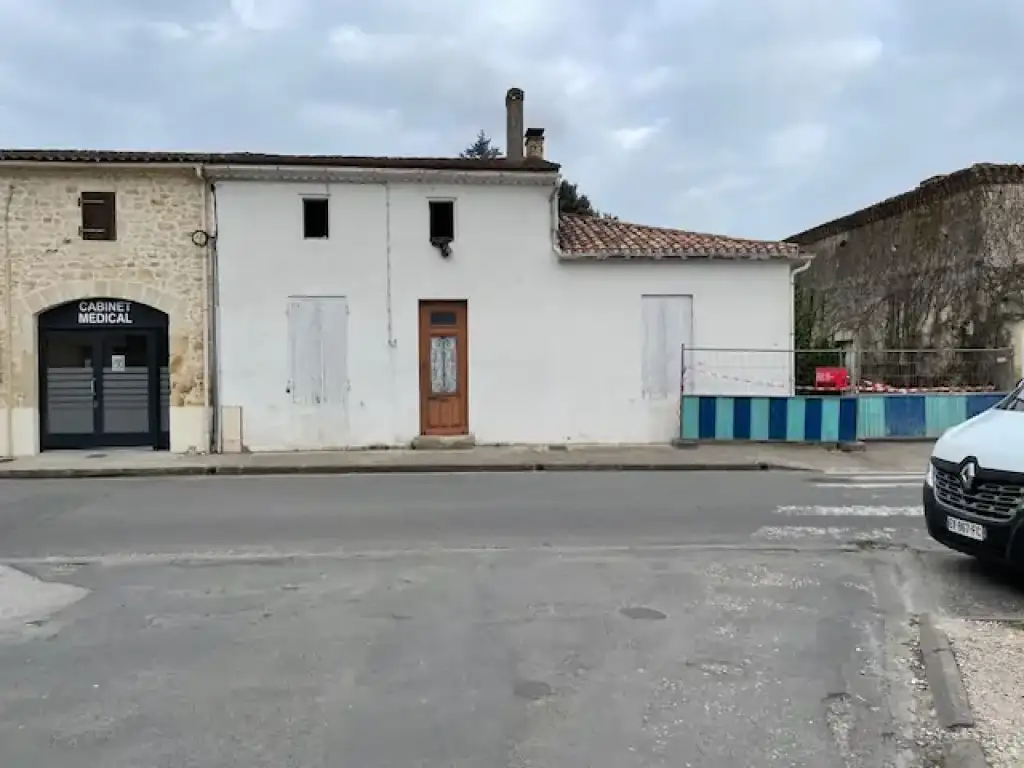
x: 910, y: 416
x: 827, y: 419
x: 796, y: 419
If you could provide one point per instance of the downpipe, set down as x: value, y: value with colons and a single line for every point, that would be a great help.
x: 793, y: 273
x: 216, y: 425
x: 208, y: 299
x: 8, y: 326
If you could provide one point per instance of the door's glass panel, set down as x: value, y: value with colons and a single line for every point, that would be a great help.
x: 165, y: 399
x: 126, y: 383
x: 165, y: 382
x: 443, y: 365
x: 442, y: 318
x: 69, y: 384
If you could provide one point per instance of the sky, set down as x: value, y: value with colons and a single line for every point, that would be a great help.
x: 757, y: 118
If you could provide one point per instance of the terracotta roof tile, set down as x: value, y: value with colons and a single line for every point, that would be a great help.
x: 256, y: 158
x: 592, y: 238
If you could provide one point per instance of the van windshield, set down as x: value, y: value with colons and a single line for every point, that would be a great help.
x: 1013, y: 401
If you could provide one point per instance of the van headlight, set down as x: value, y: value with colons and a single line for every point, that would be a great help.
x: 929, y: 476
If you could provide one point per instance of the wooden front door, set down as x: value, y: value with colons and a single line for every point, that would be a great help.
x: 444, y: 368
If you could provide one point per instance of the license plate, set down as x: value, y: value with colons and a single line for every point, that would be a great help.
x: 964, y: 528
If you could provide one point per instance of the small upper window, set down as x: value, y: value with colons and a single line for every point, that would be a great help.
x: 99, y: 216
x: 315, y: 218
x: 442, y: 219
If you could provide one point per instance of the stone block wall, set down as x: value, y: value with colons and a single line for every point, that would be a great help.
x: 901, y: 281
x: 45, y: 262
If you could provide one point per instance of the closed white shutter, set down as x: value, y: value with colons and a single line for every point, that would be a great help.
x: 318, y: 350
x: 667, y: 327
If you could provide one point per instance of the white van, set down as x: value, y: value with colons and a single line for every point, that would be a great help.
x: 974, y: 486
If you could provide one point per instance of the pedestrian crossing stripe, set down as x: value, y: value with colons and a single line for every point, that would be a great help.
x: 872, y: 474
x: 872, y: 485
x: 794, y: 532
x: 870, y: 480
x: 853, y: 510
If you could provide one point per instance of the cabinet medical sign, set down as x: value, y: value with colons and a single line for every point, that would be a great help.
x: 105, y: 313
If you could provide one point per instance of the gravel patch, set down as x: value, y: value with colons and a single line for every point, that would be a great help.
x: 989, y: 654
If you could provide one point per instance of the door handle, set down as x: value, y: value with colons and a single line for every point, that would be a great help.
x: 92, y: 386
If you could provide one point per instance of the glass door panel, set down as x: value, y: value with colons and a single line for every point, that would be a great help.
x: 126, y: 402
x: 68, y: 366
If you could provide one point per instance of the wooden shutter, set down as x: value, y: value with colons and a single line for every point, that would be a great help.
x: 667, y: 326
x: 99, y: 216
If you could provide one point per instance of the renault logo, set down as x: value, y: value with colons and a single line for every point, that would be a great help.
x: 968, y: 474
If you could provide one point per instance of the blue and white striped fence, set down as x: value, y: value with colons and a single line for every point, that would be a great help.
x: 796, y: 419
x: 823, y: 419
x: 893, y: 416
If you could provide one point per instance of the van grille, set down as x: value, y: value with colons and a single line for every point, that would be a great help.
x: 994, y: 501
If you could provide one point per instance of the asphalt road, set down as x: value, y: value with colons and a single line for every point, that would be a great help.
x: 599, y: 620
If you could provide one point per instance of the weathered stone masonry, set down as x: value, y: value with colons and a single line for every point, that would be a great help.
x: 939, y: 266
x: 153, y: 260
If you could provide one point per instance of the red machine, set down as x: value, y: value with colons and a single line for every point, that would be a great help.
x: 831, y: 379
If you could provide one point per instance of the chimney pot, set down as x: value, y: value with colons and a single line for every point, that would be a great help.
x: 514, y: 123
x: 535, y: 143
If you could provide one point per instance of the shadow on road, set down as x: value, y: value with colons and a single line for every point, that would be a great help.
x: 969, y: 587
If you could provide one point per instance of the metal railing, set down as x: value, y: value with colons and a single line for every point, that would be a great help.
x: 767, y: 372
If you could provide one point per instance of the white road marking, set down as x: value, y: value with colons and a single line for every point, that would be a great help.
x: 870, y: 480
x: 871, y: 485
x: 855, y: 510
x: 794, y: 532
x: 873, y: 475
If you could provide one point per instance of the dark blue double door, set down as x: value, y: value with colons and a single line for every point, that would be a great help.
x: 103, y: 388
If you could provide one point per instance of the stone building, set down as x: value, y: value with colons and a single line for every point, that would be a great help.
x: 938, y: 268
x: 104, y: 295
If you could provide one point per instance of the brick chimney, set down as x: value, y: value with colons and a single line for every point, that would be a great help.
x: 535, y: 143
x: 514, y: 123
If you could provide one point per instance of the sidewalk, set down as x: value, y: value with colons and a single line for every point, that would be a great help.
x: 988, y: 655
x: 897, y: 458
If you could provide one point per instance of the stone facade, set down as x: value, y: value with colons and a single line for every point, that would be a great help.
x: 938, y: 267
x: 46, y: 262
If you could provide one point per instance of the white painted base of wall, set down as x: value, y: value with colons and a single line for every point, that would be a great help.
x: 188, y: 430
x: 635, y: 422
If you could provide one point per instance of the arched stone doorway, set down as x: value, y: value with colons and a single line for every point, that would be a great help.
x: 103, y: 376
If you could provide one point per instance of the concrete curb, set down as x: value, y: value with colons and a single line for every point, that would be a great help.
x: 951, y: 704
x: 239, y: 470
x: 952, y: 707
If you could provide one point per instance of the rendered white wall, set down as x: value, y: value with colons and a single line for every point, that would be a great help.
x: 554, y: 349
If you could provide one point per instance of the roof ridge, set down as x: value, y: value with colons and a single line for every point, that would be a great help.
x: 114, y: 156
x: 929, y: 190
x: 658, y: 228
x: 596, y: 238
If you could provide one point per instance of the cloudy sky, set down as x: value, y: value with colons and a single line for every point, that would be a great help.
x: 745, y: 117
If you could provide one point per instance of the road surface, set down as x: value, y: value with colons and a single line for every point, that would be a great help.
x: 606, y: 620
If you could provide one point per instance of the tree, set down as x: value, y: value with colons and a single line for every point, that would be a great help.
x: 482, y: 148
x: 570, y: 200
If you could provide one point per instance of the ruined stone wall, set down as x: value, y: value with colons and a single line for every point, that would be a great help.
x: 153, y: 260
x: 921, y: 279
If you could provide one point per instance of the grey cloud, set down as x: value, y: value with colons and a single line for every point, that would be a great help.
x: 769, y: 117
